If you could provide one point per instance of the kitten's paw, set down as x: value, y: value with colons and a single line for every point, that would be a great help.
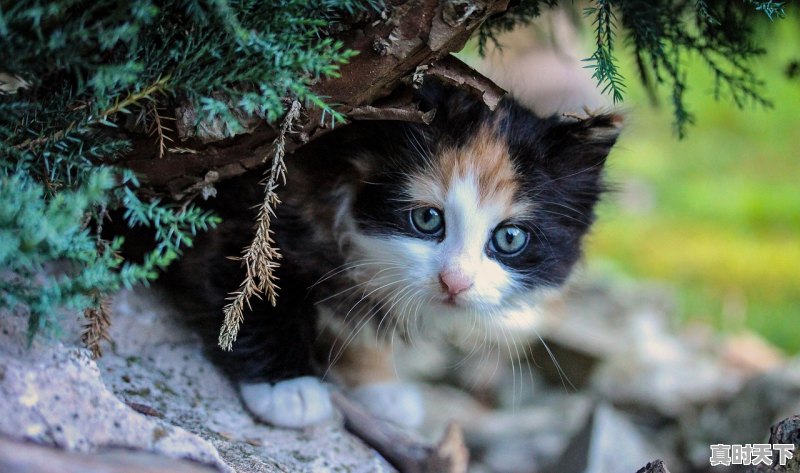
x: 294, y: 403
x: 399, y: 403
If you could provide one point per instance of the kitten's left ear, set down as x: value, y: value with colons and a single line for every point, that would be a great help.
x: 582, y: 144
x: 573, y: 152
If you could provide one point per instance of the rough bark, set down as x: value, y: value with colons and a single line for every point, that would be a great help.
x: 656, y: 466
x: 785, y: 432
x: 397, y: 48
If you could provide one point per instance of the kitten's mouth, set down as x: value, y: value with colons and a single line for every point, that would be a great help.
x: 450, y: 301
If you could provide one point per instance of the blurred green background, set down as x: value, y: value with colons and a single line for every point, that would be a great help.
x: 717, y: 214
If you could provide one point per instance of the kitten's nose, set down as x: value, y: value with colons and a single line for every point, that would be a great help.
x: 455, y: 282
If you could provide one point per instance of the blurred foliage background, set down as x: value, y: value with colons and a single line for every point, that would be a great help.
x: 717, y: 214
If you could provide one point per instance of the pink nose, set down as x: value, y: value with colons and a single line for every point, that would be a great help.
x: 455, y: 282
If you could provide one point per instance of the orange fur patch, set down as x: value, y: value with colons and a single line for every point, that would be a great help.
x: 486, y: 158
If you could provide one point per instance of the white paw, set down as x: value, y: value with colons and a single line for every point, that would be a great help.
x: 399, y: 403
x: 294, y: 403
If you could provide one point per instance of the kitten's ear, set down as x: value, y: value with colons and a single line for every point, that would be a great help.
x: 581, y: 145
x: 456, y: 109
x: 573, y: 153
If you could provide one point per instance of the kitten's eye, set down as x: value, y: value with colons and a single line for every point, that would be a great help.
x: 509, y: 239
x: 427, y: 220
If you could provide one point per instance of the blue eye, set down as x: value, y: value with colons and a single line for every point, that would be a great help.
x: 428, y: 220
x: 509, y: 239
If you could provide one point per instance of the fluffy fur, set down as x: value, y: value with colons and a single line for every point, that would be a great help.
x: 352, y: 252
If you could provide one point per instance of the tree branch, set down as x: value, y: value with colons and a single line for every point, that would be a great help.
x: 409, y: 40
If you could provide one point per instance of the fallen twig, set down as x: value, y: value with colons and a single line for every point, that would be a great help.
x: 406, y: 454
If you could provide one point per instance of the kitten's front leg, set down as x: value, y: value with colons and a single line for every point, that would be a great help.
x: 272, y: 362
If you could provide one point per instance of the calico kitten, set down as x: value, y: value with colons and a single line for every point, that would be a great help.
x: 385, y: 222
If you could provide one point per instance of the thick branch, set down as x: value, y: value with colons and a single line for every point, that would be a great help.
x: 412, y: 38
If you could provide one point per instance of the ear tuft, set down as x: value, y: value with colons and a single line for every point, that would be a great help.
x: 582, y: 144
x: 600, y: 129
x: 593, y: 136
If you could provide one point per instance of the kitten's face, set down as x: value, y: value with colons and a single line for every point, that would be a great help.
x: 461, y: 222
x: 476, y: 210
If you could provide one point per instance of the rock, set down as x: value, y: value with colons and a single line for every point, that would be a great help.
x: 657, y: 370
x: 22, y: 457
x: 443, y: 404
x: 749, y: 354
x: 747, y: 416
x: 153, y: 391
x: 656, y: 466
x: 523, y: 439
x: 591, y: 321
x: 786, y: 432
x: 608, y: 443
x: 159, y: 363
x: 54, y: 395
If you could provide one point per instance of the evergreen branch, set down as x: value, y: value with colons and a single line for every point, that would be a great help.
x: 260, y: 258
x: 120, y: 105
x: 132, y: 98
x: 770, y: 8
x: 602, y: 60
x: 82, y: 68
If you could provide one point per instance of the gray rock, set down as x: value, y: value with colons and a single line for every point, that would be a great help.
x: 655, y: 369
x: 159, y: 363
x: 747, y: 416
x: 26, y: 457
x: 786, y: 432
x: 608, y: 443
x: 54, y: 395
x: 523, y: 439
x: 591, y: 321
x: 656, y: 466
x: 153, y: 390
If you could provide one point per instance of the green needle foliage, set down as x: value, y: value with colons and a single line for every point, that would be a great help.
x: 74, y: 71
x: 662, y: 35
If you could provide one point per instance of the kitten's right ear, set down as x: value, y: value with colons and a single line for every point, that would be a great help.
x: 454, y: 107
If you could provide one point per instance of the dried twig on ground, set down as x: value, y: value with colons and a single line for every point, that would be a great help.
x: 406, y: 454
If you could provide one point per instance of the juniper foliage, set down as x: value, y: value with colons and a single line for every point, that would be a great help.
x: 662, y: 35
x: 74, y: 70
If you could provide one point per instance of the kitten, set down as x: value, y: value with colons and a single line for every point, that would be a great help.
x: 385, y: 222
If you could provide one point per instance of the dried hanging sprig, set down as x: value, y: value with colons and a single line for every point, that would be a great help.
x: 157, y: 128
x: 95, y: 330
x: 260, y: 259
